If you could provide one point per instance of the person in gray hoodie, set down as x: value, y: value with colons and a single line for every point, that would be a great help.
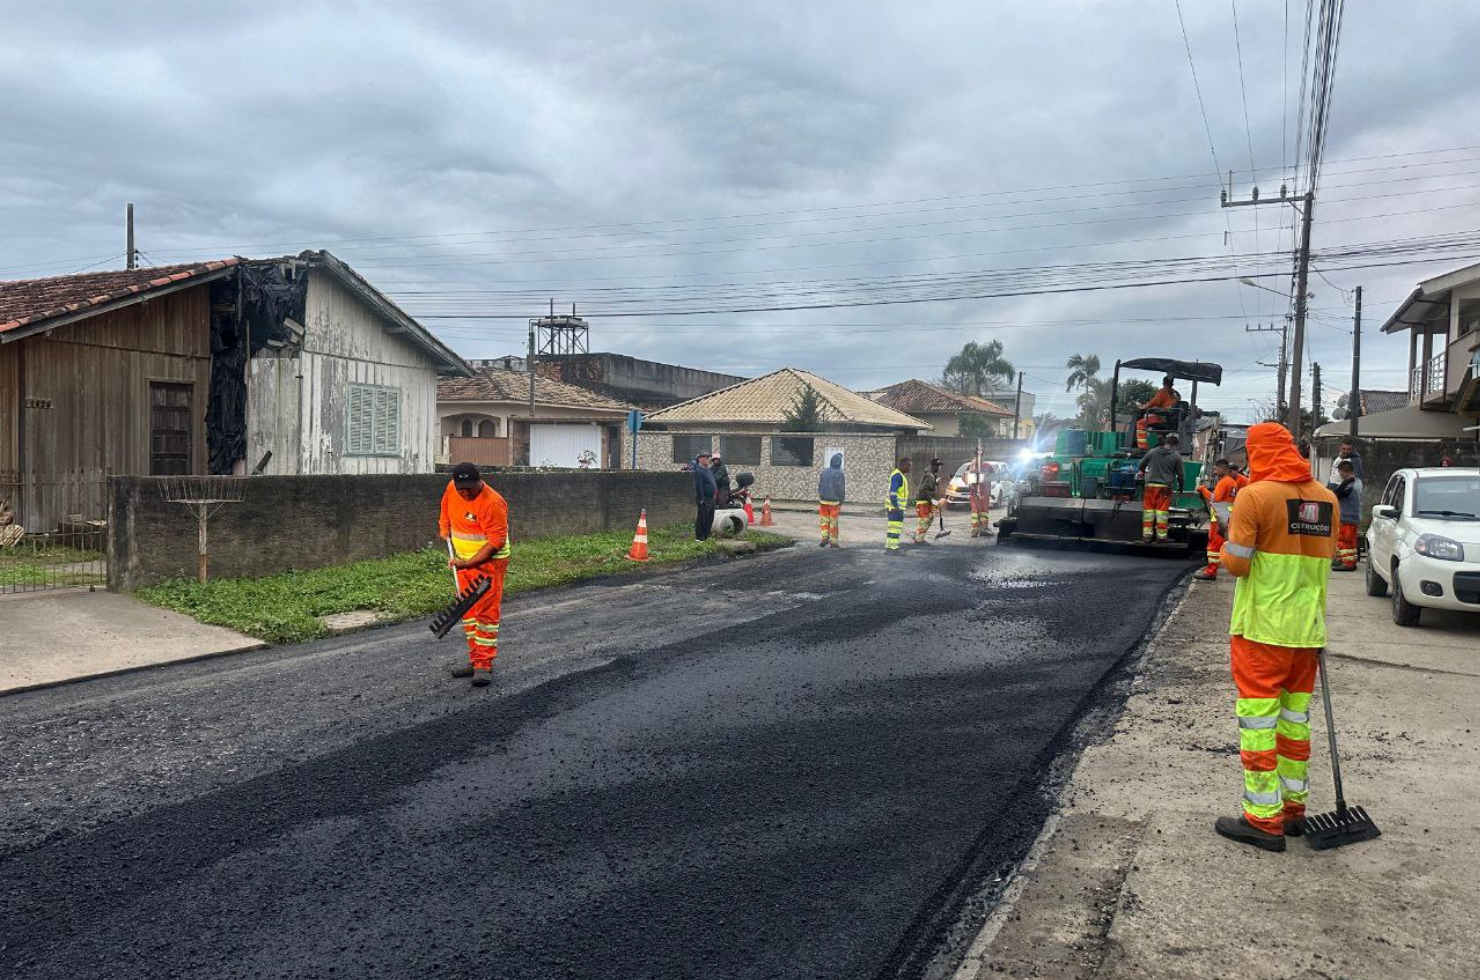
x: 832, y: 487
x: 1163, y: 469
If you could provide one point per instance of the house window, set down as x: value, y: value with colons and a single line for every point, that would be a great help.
x: 467, y: 428
x: 170, y: 438
x: 791, y: 450
x: 686, y: 447
x: 487, y: 429
x: 744, y: 450
x: 374, y: 421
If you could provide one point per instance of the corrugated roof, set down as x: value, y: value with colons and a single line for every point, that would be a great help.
x: 915, y: 396
x: 1374, y: 401
x: 764, y: 400
x: 499, y: 385
x: 25, y: 302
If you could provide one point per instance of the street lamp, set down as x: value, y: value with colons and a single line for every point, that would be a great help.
x: 1245, y: 280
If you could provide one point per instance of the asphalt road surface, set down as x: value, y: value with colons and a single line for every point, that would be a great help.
x: 794, y: 765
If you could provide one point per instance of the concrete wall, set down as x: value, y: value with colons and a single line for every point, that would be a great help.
x: 311, y: 521
x: 1383, y: 457
x: 297, y: 401
x: 867, y: 461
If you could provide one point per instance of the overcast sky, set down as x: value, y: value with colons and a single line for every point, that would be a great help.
x: 469, y: 158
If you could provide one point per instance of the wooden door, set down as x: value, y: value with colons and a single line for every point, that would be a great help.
x: 170, y: 429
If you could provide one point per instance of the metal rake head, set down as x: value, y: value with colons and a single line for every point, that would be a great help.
x: 1350, y: 825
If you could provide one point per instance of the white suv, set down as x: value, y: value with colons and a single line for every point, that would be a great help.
x: 1424, y: 542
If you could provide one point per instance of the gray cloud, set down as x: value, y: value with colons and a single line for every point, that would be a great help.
x: 323, y: 125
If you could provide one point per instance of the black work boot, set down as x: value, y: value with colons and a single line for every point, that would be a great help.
x: 461, y: 670
x: 482, y: 677
x: 1294, y: 826
x: 1239, y: 829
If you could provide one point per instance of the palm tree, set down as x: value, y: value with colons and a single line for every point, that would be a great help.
x: 979, y: 369
x: 1082, y: 370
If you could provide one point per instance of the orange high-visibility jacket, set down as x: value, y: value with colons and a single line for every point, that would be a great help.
x: 1279, y: 546
x: 473, y: 523
x: 1162, y: 399
x: 1222, y: 493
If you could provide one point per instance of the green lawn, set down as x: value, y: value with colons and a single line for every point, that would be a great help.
x: 284, y: 608
x: 26, y: 565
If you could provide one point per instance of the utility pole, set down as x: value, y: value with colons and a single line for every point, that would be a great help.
x: 1315, y: 396
x: 1282, y: 330
x: 1017, y: 406
x: 1306, y: 205
x: 1354, y: 399
x: 132, y: 254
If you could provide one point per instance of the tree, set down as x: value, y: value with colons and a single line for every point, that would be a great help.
x: 1082, y: 370
x: 805, y: 412
x: 1133, y: 391
x: 979, y: 369
x: 975, y: 425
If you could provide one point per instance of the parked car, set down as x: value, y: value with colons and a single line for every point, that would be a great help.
x: 1423, y: 545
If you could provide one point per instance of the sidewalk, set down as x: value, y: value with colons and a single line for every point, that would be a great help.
x: 54, y: 637
x: 1129, y: 880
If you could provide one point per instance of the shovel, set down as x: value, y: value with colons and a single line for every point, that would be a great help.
x: 942, y: 533
x: 1348, y: 824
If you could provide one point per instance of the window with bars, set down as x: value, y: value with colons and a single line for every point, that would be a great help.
x: 374, y: 421
x: 742, y: 450
x: 686, y: 446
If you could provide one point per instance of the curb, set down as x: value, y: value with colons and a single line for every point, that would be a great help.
x: 195, y: 658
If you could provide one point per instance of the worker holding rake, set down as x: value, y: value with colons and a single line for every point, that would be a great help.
x: 926, y: 504
x: 475, y: 522
x: 1280, y: 541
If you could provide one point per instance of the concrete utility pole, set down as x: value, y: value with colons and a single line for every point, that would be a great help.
x: 132, y: 254
x: 1315, y: 396
x: 1017, y: 406
x: 1307, y: 207
x: 1354, y: 399
x: 1282, y: 330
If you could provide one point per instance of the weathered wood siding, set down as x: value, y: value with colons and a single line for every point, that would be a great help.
x: 297, y: 403
x: 87, y: 385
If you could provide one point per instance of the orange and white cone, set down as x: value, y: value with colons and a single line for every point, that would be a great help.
x: 766, y: 514
x: 639, y: 550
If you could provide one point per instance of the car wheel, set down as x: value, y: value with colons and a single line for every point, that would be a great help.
x: 1375, y: 585
x: 1405, y: 613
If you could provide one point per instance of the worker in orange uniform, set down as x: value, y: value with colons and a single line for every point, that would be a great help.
x: 1220, y: 507
x: 1280, y: 543
x: 475, y: 519
x: 1162, y: 468
x: 1165, y: 397
x: 979, y: 496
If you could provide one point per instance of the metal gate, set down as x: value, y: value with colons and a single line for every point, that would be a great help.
x: 53, y: 530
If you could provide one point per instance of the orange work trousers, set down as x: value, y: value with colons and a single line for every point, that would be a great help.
x: 1156, y: 502
x: 480, y: 624
x: 1274, y: 690
x: 1346, y: 546
x: 1215, y: 548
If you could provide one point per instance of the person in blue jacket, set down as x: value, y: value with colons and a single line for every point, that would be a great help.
x: 704, y: 491
x: 895, y: 501
x: 832, y: 487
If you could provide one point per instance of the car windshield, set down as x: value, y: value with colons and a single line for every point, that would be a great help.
x: 1451, y: 497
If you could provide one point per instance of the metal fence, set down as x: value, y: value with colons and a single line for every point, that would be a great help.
x: 53, y: 530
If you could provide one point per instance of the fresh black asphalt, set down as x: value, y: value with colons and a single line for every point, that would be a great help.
x: 786, y: 766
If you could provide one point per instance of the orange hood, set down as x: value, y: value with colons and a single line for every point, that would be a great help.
x: 1273, y: 456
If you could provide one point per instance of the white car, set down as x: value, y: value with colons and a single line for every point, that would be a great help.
x: 1423, y: 544
x: 958, y: 488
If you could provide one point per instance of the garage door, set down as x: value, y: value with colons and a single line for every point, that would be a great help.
x: 564, y: 445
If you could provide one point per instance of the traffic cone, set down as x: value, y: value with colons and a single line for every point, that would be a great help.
x: 766, y: 514
x: 639, y: 540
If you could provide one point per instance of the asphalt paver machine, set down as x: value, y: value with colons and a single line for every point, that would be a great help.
x: 1088, y: 491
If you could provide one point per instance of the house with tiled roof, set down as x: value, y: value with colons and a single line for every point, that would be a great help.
x: 291, y: 365
x: 944, y: 409
x: 743, y: 423
x: 489, y: 419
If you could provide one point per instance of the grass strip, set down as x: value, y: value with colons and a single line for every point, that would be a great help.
x: 284, y: 608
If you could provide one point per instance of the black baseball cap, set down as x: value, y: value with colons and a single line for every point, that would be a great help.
x: 465, y: 475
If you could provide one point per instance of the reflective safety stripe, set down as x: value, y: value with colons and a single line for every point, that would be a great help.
x: 464, y: 536
x: 1264, y: 799
x: 1257, y: 721
x: 1241, y: 550
x: 1295, y: 785
x: 1296, y: 717
x: 829, y: 503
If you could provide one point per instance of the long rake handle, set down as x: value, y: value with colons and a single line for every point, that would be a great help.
x: 1331, y: 731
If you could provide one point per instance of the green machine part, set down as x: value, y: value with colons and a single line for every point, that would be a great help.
x: 1190, y: 498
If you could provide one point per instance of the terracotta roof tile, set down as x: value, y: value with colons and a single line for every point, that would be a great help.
x: 29, y: 301
x: 765, y: 399
x: 500, y: 385
x: 917, y: 396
